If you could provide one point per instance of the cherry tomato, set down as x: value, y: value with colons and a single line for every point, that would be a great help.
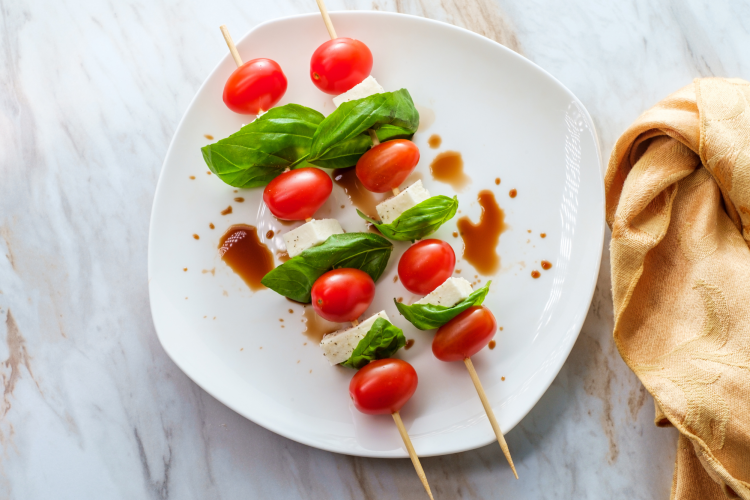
x: 254, y: 87
x: 465, y: 335
x: 387, y: 165
x: 340, y: 64
x: 342, y: 294
x: 297, y: 194
x: 383, y: 386
x: 426, y: 265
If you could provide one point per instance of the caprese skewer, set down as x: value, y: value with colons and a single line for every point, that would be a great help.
x: 342, y: 66
x: 426, y: 268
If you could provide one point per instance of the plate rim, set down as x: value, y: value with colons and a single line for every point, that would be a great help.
x: 301, y: 438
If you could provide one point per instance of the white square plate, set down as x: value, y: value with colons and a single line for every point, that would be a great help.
x: 509, y: 119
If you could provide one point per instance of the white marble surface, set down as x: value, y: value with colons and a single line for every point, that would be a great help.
x: 90, y: 94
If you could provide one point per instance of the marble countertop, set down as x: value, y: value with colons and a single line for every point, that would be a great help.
x: 90, y: 95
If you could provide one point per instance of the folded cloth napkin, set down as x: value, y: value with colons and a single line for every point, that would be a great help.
x: 678, y: 204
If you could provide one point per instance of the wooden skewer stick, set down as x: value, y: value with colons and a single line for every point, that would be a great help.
x: 374, y: 137
x: 490, y: 413
x: 355, y: 322
x: 412, y: 453
x: 230, y: 44
x: 308, y: 219
x: 326, y: 19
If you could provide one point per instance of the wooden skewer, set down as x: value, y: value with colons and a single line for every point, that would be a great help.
x: 412, y: 453
x: 308, y: 219
x: 374, y: 137
x: 326, y: 19
x: 230, y: 44
x: 490, y: 413
x: 355, y: 322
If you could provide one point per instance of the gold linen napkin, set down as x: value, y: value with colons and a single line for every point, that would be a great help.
x: 678, y: 204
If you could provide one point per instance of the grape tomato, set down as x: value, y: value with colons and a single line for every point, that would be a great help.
x: 255, y: 86
x: 465, y: 335
x: 387, y: 165
x: 343, y: 294
x: 340, y: 64
x: 426, y: 265
x: 297, y: 194
x: 383, y: 386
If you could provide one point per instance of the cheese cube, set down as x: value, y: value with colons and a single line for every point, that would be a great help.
x: 339, y: 346
x: 391, y: 208
x: 450, y: 293
x: 365, y: 88
x: 310, y: 234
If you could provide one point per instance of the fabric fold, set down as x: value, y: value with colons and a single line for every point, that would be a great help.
x: 678, y: 204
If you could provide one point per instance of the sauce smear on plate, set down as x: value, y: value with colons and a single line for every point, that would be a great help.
x: 243, y: 251
x: 448, y: 167
x: 315, y: 326
x: 481, y: 239
x: 360, y: 197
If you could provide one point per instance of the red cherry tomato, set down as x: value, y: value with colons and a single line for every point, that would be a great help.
x: 387, y: 165
x: 297, y: 194
x: 342, y: 294
x: 254, y: 87
x: 465, y: 335
x: 340, y: 64
x: 383, y: 386
x: 426, y: 265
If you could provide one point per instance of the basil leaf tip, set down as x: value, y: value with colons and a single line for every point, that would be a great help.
x: 382, y: 341
x: 364, y: 251
x: 419, y: 221
x: 429, y: 317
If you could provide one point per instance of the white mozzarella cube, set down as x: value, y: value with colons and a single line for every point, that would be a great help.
x: 391, y: 208
x: 365, y: 88
x: 310, y: 234
x: 450, y: 293
x: 339, y: 346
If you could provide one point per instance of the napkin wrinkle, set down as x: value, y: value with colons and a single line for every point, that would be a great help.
x: 678, y: 203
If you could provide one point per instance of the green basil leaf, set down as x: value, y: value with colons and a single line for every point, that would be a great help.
x: 261, y: 151
x: 354, y: 118
x: 345, y: 153
x: 364, y: 251
x: 389, y: 131
x: 382, y: 341
x: 428, y: 317
x: 420, y: 220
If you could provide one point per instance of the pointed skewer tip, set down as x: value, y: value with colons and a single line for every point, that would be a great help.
x: 490, y: 414
x: 412, y: 453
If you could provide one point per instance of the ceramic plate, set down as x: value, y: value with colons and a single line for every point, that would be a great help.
x: 509, y: 119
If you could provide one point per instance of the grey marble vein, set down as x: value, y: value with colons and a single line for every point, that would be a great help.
x: 92, y: 408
